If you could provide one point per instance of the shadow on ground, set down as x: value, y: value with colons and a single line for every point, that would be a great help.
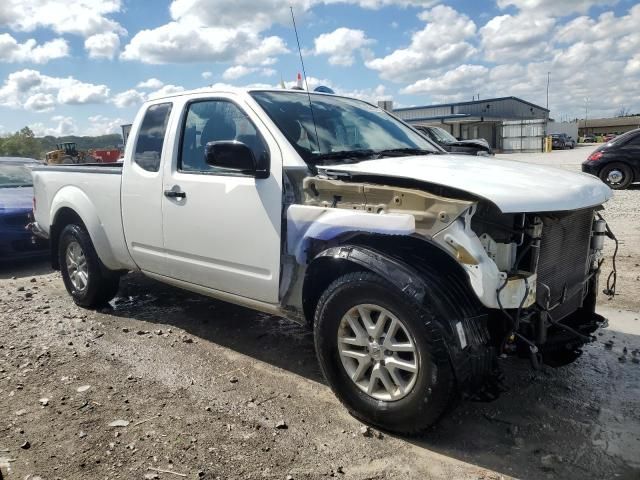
x: 25, y: 268
x: 574, y: 422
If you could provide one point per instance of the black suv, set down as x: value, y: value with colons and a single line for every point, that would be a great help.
x: 617, y: 162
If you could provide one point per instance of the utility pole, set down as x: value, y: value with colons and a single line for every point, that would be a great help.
x: 586, y: 113
x: 548, y: 79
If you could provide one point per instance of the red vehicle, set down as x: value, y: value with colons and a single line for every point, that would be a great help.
x: 105, y: 155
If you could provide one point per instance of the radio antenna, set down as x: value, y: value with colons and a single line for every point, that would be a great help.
x: 306, y: 84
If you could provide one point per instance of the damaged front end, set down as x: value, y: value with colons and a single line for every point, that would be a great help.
x: 535, y: 274
x: 564, y: 252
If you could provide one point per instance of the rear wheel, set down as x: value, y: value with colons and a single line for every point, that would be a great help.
x: 617, y: 175
x: 86, y: 279
x: 382, y: 355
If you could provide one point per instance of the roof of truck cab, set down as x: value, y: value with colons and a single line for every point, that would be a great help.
x: 237, y: 90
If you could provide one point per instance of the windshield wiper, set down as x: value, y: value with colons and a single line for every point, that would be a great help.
x: 345, y: 155
x: 400, y: 152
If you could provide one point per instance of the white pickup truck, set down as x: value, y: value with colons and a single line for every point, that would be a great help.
x: 416, y: 269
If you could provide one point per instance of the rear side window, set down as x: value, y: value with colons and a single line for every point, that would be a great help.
x: 151, y: 137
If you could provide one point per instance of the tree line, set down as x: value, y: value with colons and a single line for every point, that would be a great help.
x: 24, y: 143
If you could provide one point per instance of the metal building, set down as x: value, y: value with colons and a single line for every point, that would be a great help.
x: 602, y: 126
x: 509, y: 124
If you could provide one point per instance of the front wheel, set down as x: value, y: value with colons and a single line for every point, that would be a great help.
x: 617, y: 175
x: 85, y: 277
x: 382, y: 354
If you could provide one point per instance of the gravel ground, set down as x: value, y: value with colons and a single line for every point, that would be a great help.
x: 204, y: 389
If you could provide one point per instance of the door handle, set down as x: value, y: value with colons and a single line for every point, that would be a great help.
x: 174, y: 194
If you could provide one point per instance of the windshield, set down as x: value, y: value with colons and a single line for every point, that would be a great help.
x: 442, y: 135
x: 14, y: 176
x: 346, y: 128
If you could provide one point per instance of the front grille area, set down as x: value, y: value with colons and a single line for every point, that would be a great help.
x: 564, y: 257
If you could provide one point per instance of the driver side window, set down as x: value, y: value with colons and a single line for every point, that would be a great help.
x: 212, y: 121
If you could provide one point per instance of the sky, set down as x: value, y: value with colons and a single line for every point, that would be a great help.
x: 84, y: 67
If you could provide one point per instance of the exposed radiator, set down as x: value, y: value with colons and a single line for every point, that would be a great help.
x: 564, y: 257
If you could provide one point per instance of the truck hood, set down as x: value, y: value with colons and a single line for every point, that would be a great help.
x: 514, y: 187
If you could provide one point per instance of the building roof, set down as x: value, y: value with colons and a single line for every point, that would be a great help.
x: 473, y: 102
x: 633, y: 121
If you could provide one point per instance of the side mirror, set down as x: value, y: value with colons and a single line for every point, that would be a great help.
x: 234, y: 155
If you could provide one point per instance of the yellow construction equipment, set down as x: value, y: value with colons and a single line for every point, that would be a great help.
x: 67, y: 153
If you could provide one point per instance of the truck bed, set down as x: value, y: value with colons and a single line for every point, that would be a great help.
x: 110, y: 168
x: 92, y: 191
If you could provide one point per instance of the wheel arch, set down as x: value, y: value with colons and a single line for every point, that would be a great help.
x: 429, y: 275
x: 63, y: 217
x: 411, y: 264
x: 72, y: 205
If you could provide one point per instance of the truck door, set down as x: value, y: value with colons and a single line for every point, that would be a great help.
x: 221, y: 226
x: 142, y: 189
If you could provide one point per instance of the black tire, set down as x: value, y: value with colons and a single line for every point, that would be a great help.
x: 101, y: 284
x: 624, y: 169
x: 434, y: 387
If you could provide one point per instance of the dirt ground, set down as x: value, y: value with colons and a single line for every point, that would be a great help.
x: 199, y: 388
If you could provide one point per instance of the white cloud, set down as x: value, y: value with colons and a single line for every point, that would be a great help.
x: 237, y: 71
x: 506, y: 37
x: 151, y: 83
x: 264, y: 53
x: 374, y: 4
x: 207, y: 75
x: 265, y: 13
x: 461, y: 78
x: 96, y: 125
x: 371, y: 95
x: 102, y: 45
x: 132, y: 97
x: 11, y: 51
x: 166, y: 91
x: 554, y: 7
x: 63, y: 126
x: 622, y: 30
x: 441, y: 43
x: 223, y: 31
x: 128, y: 98
x: 183, y: 43
x: 74, y: 92
x: 633, y: 65
x: 21, y: 89
x: 100, y: 125
x: 78, y: 17
x: 341, y: 44
x: 40, y: 102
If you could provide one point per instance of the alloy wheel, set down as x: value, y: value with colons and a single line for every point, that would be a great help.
x: 77, y: 267
x: 378, y: 352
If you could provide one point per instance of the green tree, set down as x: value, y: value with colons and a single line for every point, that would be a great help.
x: 21, y: 144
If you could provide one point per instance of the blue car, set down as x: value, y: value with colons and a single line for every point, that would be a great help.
x: 16, y: 210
